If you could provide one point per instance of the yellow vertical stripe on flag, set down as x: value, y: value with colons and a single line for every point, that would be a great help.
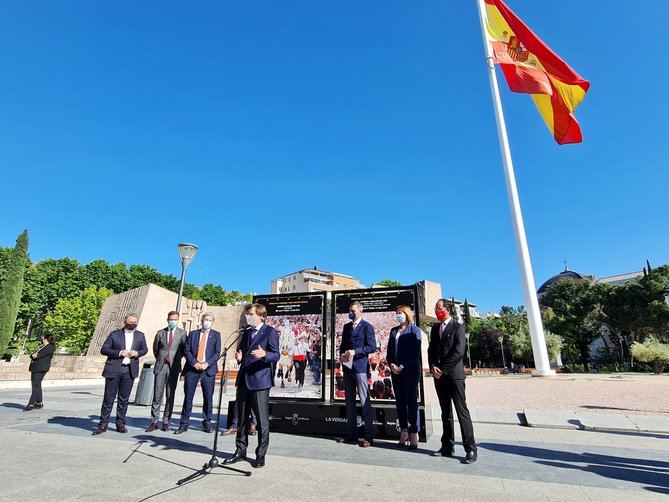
x: 543, y: 104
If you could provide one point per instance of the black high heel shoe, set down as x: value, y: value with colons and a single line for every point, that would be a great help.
x: 404, y: 440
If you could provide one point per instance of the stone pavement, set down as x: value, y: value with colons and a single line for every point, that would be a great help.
x: 49, y: 454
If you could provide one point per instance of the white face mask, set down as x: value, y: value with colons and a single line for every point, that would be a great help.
x: 250, y: 320
x: 207, y: 324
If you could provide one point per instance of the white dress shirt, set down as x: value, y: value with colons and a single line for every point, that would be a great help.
x: 128, y: 344
x: 442, y: 328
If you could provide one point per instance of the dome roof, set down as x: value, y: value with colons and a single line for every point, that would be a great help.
x: 567, y: 274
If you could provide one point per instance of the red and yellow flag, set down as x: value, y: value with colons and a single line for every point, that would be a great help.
x: 531, y: 67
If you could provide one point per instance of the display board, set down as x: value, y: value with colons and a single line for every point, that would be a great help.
x: 300, y: 319
x: 379, y: 306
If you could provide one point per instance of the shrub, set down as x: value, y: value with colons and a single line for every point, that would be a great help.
x: 652, y: 351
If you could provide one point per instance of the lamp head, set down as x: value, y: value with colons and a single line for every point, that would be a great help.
x: 186, y: 253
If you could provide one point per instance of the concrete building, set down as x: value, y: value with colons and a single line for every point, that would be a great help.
x: 152, y: 303
x: 310, y: 280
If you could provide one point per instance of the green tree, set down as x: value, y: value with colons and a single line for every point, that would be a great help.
x: 73, y: 320
x: 520, y: 345
x: 389, y: 283
x: 652, y: 351
x: 466, y: 315
x: 11, y: 289
x: 576, y: 317
x: 635, y: 310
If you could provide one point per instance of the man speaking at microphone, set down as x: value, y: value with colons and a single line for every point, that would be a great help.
x: 257, y: 354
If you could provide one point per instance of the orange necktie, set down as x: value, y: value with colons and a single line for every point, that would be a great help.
x: 201, y: 347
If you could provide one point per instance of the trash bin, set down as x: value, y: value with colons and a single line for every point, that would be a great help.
x: 144, y: 394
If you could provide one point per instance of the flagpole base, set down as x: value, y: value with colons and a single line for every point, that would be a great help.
x: 543, y: 373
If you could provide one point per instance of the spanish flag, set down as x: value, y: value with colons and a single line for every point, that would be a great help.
x: 531, y: 67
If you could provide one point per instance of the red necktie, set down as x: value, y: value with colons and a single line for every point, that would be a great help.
x: 170, y: 339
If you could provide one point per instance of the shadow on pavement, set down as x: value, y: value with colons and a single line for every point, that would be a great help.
x: 652, y: 473
x: 13, y: 405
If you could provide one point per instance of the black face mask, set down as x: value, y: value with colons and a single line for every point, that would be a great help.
x: 131, y: 327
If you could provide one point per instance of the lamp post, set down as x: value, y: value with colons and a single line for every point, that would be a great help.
x: 186, y: 254
x: 501, y: 346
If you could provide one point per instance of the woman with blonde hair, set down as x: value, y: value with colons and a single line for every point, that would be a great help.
x: 403, y: 356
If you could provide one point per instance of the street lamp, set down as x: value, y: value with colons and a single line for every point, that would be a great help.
x: 186, y: 254
x: 501, y: 346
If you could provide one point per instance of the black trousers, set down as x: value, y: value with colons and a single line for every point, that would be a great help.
x: 117, y: 389
x: 452, y: 393
x: 300, y: 367
x: 36, y: 379
x: 405, y: 386
x: 256, y: 401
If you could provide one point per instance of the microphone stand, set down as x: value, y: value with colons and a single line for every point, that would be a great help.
x: 213, y: 461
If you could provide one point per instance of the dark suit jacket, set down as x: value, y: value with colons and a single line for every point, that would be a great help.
x: 258, y: 374
x: 363, y: 340
x: 211, y: 352
x: 176, y: 352
x: 448, y: 352
x: 42, y: 363
x: 408, y: 347
x: 114, y: 344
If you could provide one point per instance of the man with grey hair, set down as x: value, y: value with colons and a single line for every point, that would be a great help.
x: 202, y: 350
x: 358, y: 341
x: 123, y: 349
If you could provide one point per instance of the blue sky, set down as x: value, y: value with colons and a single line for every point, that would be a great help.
x: 356, y: 136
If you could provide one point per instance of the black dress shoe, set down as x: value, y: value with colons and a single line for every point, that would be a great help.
x: 348, y: 440
x: 165, y: 427
x: 442, y: 453
x: 471, y: 457
x: 181, y: 429
x: 29, y: 407
x: 237, y: 457
x: 260, y: 462
x: 207, y: 429
x: 122, y: 429
x: 39, y: 406
x: 99, y: 430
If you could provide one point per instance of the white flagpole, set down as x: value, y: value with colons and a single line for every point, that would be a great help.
x: 542, y: 365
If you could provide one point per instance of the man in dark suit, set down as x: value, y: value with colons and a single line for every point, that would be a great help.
x: 202, y: 350
x: 445, y: 354
x: 168, y: 347
x: 358, y: 341
x: 257, y: 354
x: 123, y: 349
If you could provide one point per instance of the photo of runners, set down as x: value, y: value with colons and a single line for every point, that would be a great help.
x: 299, y: 321
x: 379, y: 310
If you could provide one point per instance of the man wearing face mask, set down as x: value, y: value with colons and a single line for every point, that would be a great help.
x: 168, y: 348
x: 358, y: 341
x: 202, y: 350
x: 257, y: 354
x: 123, y: 349
x: 445, y: 355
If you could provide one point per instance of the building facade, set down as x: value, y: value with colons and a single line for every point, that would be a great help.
x: 311, y: 280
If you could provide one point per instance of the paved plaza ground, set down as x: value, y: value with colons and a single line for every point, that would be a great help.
x: 49, y: 454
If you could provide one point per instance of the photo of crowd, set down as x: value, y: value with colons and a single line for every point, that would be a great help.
x: 380, y: 382
x: 299, y: 369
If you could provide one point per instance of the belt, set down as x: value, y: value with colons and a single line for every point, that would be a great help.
x: 125, y: 365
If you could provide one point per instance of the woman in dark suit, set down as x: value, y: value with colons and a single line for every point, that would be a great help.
x: 39, y: 366
x: 403, y: 356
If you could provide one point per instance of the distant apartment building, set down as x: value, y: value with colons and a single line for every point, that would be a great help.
x: 310, y: 280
